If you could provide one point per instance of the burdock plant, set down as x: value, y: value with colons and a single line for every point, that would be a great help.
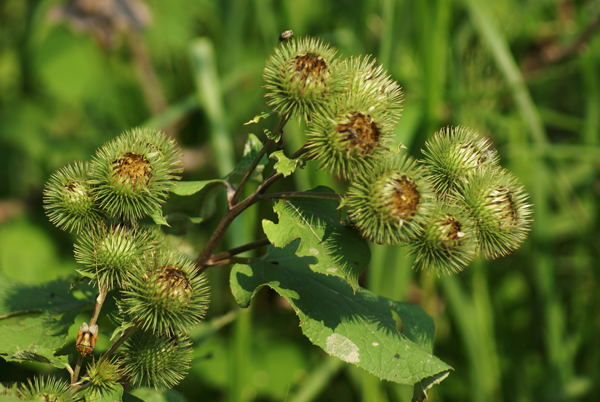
x: 449, y: 208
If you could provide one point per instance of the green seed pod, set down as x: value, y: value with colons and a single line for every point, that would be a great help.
x: 103, y: 377
x: 47, y: 389
x: 390, y: 205
x: 166, y: 298
x: 350, y: 138
x: 447, y: 243
x: 109, y: 253
x: 299, y: 77
x: 452, y: 154
x: 132, y: 175
x: 498, y: 206
x: 68, y: 199
x: 156, y: 361
x: 363, y: 79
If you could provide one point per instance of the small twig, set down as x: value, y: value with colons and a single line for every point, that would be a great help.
x: 229, y: 261
x: 99, y: 302
x: 274, y: 176
x: 300, y: 194
x: 118, y: 343
x: 75, y: 371
x: 238, y: 250
x: 18, y: 313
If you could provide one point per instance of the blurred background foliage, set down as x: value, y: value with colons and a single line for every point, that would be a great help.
x: 525, y: 327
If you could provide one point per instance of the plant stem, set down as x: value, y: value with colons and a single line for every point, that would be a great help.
x: 256, y: 161
x: 229, y: 261
x: 237, y: 250
x: 75, y: 374
x: 99, y: 302
x: 232, y: 212
x: 299, y: 194
x: 118, y: 343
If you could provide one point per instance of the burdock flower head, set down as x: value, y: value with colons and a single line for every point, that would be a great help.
x: 109, y: 253
x: 68, y: 199
x: 390, y: 205
x: 132, y: 175
x: 157, y: 361
x: 447, y: 243
x: 348, y: 138
x: 364, y: 79
x: 498, y: 206
x: 166, y: 298
x: 454, y: 152
x: 300, y: 77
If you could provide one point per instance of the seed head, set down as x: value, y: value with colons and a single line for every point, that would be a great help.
x: 68, y: 199
x: 132, y: 175
x: 390, y: 205
x: 299, y: 77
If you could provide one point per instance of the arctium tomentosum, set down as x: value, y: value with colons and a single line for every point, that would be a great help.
x: 86, y: 338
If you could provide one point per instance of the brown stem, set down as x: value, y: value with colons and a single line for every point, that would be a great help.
x: 118, y: 343
x: 237, y: 250
x: 75, y: 375
x: 229, y: 261
x: 299, y: 194
x: 99, y: 302
x: 232, y: 212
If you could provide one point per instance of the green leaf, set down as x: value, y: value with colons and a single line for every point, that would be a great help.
x: 285, y: 165
x: 193, y: 200
x: 86, y: 274
x: 251, y: 150
x: 421, y: 389
x: 186, y: 188
x: 357, y: 328
x: 339, y: 249
x: 259, y: 117
x: 35, y: 320
x: 158, y: 218
x: 274, y: 137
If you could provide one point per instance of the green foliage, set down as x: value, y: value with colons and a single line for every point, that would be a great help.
x: 358, y: 328
x: 522, y: 75
x: 339, y: 250
x: 42, y: 317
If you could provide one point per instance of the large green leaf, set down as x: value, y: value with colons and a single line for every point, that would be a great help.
x: 35, y: 320
x: 338, y: 249
x: 357, y: 327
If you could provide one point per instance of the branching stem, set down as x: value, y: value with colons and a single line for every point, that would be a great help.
x: 128, y: 332
x: 300, y: 194
x: 256, y: 161
x: 236, y: 208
